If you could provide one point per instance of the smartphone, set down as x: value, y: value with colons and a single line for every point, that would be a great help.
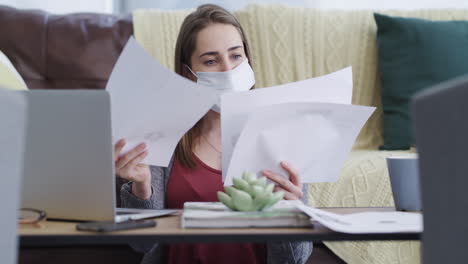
x: 112, y: 226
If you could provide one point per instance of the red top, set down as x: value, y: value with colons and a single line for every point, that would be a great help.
x: 200, y: 184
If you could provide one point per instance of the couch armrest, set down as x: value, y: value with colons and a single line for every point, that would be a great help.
x: 63, y: 51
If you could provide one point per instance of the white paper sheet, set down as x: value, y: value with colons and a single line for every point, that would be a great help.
x: 315, y: 138
x: 236, y: 107
x: 153, y: 104
x: 13, y: 111
x: 367, y: 222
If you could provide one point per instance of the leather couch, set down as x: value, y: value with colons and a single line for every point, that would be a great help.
x: 63, y: 51
x: 75, y: 51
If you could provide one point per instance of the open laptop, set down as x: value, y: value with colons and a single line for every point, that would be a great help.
x: 440, y: 117
x: 12, y: 126
x: 69, y: 164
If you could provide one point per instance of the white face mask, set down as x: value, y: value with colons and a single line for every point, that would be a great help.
x: 239, y: 79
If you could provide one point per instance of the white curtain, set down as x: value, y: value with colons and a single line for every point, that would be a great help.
x: 126, y: 6
x: 63, y: 6
x: 389, y: 4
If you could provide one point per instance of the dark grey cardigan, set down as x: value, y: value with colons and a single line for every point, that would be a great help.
x: 279, y: 252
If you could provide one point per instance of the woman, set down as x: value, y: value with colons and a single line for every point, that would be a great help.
x: 211, y: 41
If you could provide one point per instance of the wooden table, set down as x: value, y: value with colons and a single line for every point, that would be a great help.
x: 168, y: 230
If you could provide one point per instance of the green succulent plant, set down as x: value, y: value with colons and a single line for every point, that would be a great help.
x: 250, y: 193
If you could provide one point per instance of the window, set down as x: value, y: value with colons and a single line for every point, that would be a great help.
x: 63, y: 6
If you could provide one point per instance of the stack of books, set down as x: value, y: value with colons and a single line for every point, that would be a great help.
x: 217, y: 215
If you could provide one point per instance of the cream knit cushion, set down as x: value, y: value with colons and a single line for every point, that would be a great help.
x: 364, y: 182
x: 9, y: 77
x: 157, y: 30
x: 291, y: 44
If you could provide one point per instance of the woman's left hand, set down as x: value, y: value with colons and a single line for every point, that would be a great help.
x: 292, y: 188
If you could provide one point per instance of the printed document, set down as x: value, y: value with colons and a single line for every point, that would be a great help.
x: 367, y: 222
x: 311, y: 137
x: 152, y: 104
x: 315, y: 138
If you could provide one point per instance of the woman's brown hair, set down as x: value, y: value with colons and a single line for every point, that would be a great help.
x: 185, y: 46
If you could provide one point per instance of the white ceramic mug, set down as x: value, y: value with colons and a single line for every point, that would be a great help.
x: 404, y: 179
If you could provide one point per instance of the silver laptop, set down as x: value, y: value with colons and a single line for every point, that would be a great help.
x: 12, y: 123
x: 440, y: 119
x: 69, y: 164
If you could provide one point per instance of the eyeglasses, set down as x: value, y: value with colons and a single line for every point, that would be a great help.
x: 31, y: 216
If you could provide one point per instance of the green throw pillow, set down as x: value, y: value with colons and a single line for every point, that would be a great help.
x: 415, y: 54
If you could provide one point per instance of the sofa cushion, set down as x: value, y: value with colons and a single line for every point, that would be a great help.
x: 364, y: 182
x: 63, y: 51
x: 415, y: 54
x: 9, y: 77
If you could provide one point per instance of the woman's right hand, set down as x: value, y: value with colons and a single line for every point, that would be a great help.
x: 129, y: 167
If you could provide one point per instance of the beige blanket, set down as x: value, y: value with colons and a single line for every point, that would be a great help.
x: 291, y: 44
x: 364, y: 182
